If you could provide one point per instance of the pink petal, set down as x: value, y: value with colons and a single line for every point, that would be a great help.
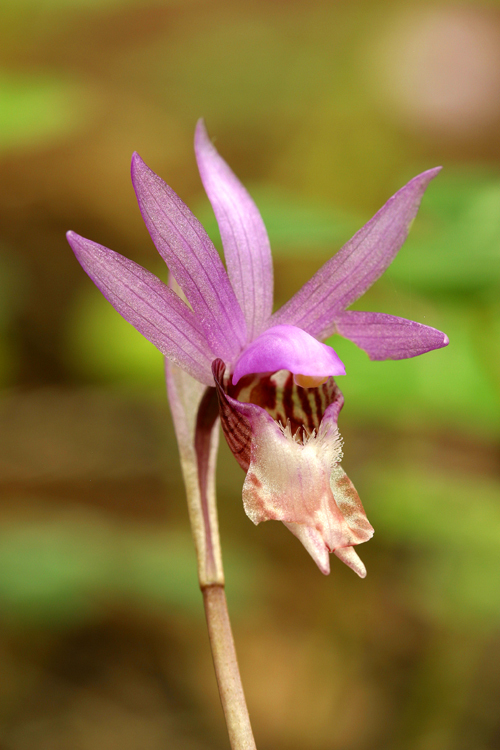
x: 350, y: 505
x: 303, y: 485
x: 384, y: 336
x: 244, y: 236
x: 350, y: 557
x: 288, y: 348
x: 346, y: 276
x: 313, y: 543
x: 148, y: 304
x: 190, y: 255
x: 290, y: 481
x: 293, y: 477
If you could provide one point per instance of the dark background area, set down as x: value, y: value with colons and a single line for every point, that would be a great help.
x: 323, y: 110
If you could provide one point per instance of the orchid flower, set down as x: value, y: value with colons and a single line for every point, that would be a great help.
x: 268, y: 376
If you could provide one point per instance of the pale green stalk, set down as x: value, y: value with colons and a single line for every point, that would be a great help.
x: 198, y: 438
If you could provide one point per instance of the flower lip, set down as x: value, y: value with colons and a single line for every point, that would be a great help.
x: 294, y: 476
x: 285, y: 347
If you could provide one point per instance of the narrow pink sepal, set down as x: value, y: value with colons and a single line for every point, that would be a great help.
x: 346, y: 276
x: 192, y: 258
x: 244, y: 236
x: 148, y: 304
x: 313, y: 543
x: 384, y: 336
x: 288, y: 348
x: 350, y: 557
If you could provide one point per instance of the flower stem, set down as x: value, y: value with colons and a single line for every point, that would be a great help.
x: 226, y: 668
x: 195, y: 414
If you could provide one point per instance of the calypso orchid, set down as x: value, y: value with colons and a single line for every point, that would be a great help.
x: 268, y: 376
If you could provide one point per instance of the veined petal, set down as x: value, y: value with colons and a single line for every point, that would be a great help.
x: 149, y: 305
x: 384, y: 336
x: 346, y: 276
x: 288, y: 348
x: 244, y: 236
x: 190, y: 255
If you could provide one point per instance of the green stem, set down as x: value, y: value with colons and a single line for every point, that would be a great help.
x: 226, y: 668
x: 194, y: 411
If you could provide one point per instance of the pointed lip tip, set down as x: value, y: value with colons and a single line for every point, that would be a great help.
x: 446, y: 340
x: 325, y: 570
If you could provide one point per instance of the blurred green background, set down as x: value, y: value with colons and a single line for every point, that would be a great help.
x: 323, y: 109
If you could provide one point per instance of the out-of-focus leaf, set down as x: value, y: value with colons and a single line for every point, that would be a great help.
x: 487, y: 319
x: 452, y: 191
x: 102, y: 345
x: 294, y: 226
x: 12, y: 297
x: 58, y: 572
x: 37, y: 109
x: 455, y: 244
x: 449, y: 386
x: 48, y: 572
x: 455, y: 524
x: 436, y: 511
x: 160, y: 569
